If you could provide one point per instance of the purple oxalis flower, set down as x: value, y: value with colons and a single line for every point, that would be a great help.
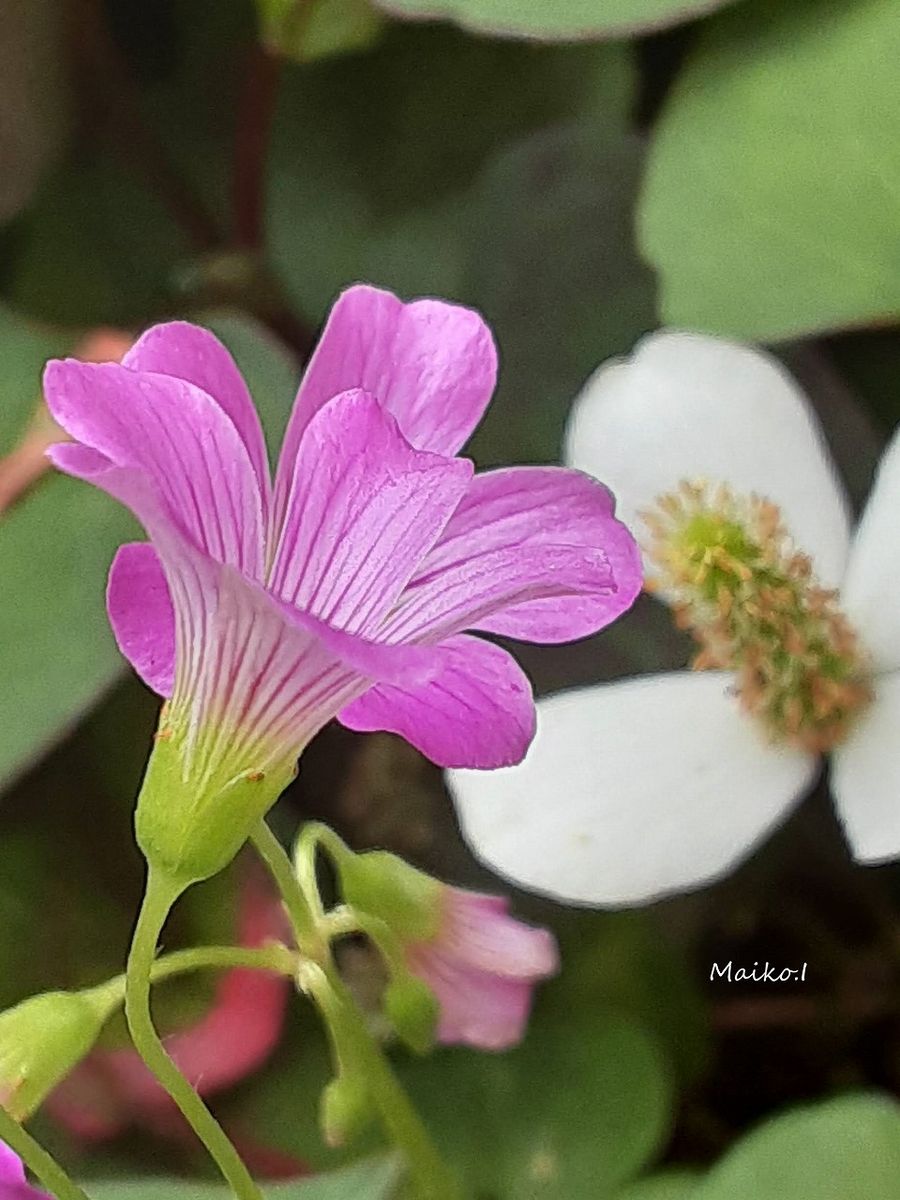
x: 13, y: 1185
x: 346, y: 587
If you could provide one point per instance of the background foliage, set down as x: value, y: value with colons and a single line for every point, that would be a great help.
x: 581, y: 171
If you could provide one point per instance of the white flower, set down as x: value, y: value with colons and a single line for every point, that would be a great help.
x: 640, y: 788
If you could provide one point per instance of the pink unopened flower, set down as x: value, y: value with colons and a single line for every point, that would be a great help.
x: 13, y: 1185
x: 346, y: 587
x: 482, y: 965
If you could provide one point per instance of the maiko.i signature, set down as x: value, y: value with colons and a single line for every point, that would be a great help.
x: 758, y: 973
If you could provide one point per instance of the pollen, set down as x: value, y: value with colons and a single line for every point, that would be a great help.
x: 751, y: 601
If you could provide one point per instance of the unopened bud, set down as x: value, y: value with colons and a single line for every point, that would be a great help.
x: 346, y: 1109
x: 413, y: 1011
x: 41, y: 1040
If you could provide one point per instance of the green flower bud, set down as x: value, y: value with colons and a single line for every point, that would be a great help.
x: 406, y: 899
x: 346, y: 1109
x: 412, y: 1009
x: 42, y: 1039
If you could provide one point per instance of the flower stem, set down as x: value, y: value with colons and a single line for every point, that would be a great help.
x: 429, y: 1173
x: 161, y: 893
x: 41, y: 1163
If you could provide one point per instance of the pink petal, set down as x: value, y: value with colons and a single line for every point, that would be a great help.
x: 190, y: 352
x: 467, y: 594
x: 433, y: 365
x: 364, y: 508
x: 485, y: 937
x: 141, y: 614
x: 185, y: 447
x: 11, y: 1169
x: 478, y: 711
x: 525, y: 507
x: 477, y: 1008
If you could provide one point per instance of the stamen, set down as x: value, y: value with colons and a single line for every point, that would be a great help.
x: 751, y: 601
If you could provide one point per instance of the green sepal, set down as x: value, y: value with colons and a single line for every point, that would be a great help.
x: 191, y: 828
x: 406, y: 899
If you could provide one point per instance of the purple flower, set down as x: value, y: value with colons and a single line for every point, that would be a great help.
x: 345, y: 588
x: 13, y: 1185
x: 482, y: 966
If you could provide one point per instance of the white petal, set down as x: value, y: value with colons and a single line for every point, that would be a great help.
x: 687, y: 406
x: 631, y: 791
x: 873, y: 572
x: 865, y: 778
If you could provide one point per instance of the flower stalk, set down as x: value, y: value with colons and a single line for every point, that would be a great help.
x: 37, y: 1159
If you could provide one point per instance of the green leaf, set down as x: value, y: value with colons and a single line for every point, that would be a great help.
x: 307, y: 32
x: 770, y: 205
x: 572, y: 1114
x: 564, y: 19
x: 58, y: 652
x: 357, y: 190
x: 23, y: 351
x: 375, y: 1179
x: 95, y: 247
x: 668, y: 1185
x: 845, y: 1149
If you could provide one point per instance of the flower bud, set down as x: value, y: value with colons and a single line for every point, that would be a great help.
x: 412, y: 1009
x: 346, y: 1109
x: 406, y: 899
x: 42, y: 1039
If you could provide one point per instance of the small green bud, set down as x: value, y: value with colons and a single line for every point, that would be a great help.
x: 412, y: 1009
x: 406, y: 899
x: 346, y: 1109
x: 42, y: 1039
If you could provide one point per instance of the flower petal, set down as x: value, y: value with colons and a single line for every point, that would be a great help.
x: 363, y: 510
x: 190, y: 352
x: 477, y: 1008
x: 486, y: 937
x: 872, y: 580
x: 477, y: 711
x: 11, y: 1169
x: 178, y: 438
x: 141, y: 614
x: 865, y: 777
x: 519, y: 507
x: 687, y: 406
x: 432, y: 365
x: 632, y: 791
x: 468, y: 594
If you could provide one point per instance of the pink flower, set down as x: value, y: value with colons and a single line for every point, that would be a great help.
x: 482, y: 965
x: 263, y: 610
x: 13, y: 1185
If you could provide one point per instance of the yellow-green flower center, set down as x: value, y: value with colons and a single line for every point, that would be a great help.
x: 750, y: 599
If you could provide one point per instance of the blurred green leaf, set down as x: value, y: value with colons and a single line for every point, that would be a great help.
x: 572, y: 1114
x: 370, y: 181
x: 844, y: 1149
x: 306, y: 31
x: 623, y: 960
x: 33, y: 96
x: 564, y: 19
x: 56, y: 545
x: 550, y: 261
x: 375, y: 1179
x: 95, y: 247
x: 770, y: 205
x: 23, y: 351
x: 668, y: 1185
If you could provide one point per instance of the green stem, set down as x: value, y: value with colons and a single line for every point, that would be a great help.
x: 429, y: 1173
x: 33, y: 1154
x: 303, y: 911
x: 160, y: 895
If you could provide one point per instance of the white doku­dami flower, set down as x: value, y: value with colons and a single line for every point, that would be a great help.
x: 637, y: 789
